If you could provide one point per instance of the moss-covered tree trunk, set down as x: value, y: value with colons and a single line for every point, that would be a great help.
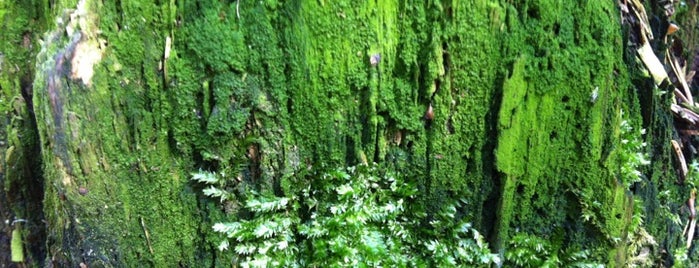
x: 515, y: 107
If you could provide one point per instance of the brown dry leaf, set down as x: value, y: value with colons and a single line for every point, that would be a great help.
x: 672, y: 28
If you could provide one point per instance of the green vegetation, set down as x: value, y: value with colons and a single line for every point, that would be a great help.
x: 632, y: 154
x: 530, y: 251
x: 269, y: 96
x: 350, y: 217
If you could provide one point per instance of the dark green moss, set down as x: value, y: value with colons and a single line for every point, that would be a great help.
x: 21, y: 179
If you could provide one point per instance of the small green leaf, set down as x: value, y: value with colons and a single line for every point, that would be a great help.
x: 223, y: 246
x: 215, y: 192
x: 205, y: 177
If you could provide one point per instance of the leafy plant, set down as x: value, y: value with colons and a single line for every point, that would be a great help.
x: 693, y: 174
x: 532, y: 251
x: 455, y: 243
x: 266, y: 240
x: 632, y: 153
x: 347, y: 218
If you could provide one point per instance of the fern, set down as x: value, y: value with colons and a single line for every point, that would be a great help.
x: 267, y: 204
x: 216, y: 192
x: 355, y: 217
x: 632, y: 155
x: 526, y: 250
x: 205, y: 177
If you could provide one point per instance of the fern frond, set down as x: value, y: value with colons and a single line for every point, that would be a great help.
x: 245, y: 249
x: 223, y: 246
x: 260, y: 261
x: 227, y: 228
x: 267, y: 204
x: 216, y: 192
x: 205, y: 177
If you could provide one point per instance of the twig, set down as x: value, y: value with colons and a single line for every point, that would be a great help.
x: 237, y: 10
x: 680, y: 95
x: 692, y: 217
x: 689, y: 132
x: 145, y: 230
x: 675, y: 66
x: 684, y: 113
x: 680, y: 158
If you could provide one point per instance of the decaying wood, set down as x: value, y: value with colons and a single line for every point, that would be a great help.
x: 686, y: 114
x: 623, y: 6
x: 689, y: 132
x: 653, y: 64
x: 681, y: 96
x: 640, y: 12
x: 679, y: 73
x: 668, y: 7
x: 680, y: 159
x: 689, y: 77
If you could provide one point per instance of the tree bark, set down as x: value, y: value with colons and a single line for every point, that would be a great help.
x: 109, y: 106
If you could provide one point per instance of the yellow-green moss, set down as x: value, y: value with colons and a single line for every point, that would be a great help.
x: 558, y: 122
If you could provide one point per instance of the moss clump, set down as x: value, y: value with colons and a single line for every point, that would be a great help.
x: 558, y: 122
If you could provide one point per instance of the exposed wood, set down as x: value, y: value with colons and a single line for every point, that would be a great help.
x: 685, y: 114
x: 689, y: 132
x: 680, y: 96
x: 640, y: 12
x: 680, y: 159
x: 679, y: 73
x: 653, y: 64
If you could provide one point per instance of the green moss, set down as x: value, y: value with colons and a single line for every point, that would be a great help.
x: 21, y: 189
x: 510, y: 155
x: 265, y: 90
x: 97, y: 203
x: 554, y: 135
